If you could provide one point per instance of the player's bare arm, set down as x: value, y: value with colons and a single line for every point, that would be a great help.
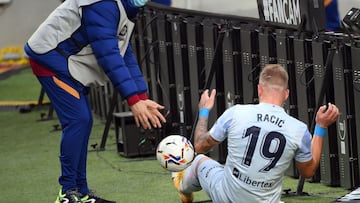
x: 324, y: 118
x: 203, y: 140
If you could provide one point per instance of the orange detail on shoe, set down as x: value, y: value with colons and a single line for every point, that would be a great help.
x: 67, y: 88
x: 185, y: 198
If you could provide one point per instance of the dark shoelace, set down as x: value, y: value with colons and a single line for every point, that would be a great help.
x: 74, y: 195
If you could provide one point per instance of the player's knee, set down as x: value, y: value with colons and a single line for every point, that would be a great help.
x: 199, y: 159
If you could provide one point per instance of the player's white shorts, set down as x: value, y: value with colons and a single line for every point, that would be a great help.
x: 210, y: 175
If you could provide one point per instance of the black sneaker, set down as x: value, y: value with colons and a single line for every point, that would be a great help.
x: 93, y: 198
x: 71, y: 196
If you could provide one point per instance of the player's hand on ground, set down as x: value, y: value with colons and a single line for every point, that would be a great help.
x: 206, y: 100
x: 147, y: 114
x: 327, y: 115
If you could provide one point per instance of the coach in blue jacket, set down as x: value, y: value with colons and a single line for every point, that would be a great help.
x: 85, y: 42
x: 333, y: 22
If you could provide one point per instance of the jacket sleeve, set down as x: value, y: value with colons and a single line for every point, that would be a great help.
x: 101, y: 24
x: 135, y: 71
x: 130, y: 8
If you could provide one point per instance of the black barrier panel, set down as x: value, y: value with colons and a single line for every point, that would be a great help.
x: 212, y: 45
x: 249, y: 63
x: 102, y: 101
x: 164, y: 67
x: 285, y: 57
x: 98, y: 98
x: 140, y: 45
x: 329, y: 156
x: 110, y: 92
x: 267, y: 47
x: 105, y: 94
x: 229, y: 78
x: 355, y: 59
x: 211, y: 30
x: 133, y: 43
x: 162, y: 59
x: 301, y: 89
x: 346, y: 139
x: 196, y: 61
x: 174, y: 116
x: 92, y: 99
x: 149, y: 30
x: 350, y: 108
x: 181, y: 71
x: 303, y: 78
x: 236, y: 46
x: 228, y: 68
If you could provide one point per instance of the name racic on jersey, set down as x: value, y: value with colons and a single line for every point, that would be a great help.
x: 271, y: 119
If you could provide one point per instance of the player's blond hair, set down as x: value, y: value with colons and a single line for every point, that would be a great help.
x: 274, y: 76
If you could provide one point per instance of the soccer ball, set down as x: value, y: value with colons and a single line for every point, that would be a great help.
x: 175, y: 153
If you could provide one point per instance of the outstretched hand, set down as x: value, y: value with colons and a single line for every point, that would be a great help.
x: 325, y: 117
x: 147, y: 114
x: 206, y: 100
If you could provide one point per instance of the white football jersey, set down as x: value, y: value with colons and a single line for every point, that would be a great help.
x: 262, y: 141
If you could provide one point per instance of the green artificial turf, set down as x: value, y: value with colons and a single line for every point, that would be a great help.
x: 30, y: 166
x: 23, y: 86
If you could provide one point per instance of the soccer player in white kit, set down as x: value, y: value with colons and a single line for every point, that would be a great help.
x: 262, y: 141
